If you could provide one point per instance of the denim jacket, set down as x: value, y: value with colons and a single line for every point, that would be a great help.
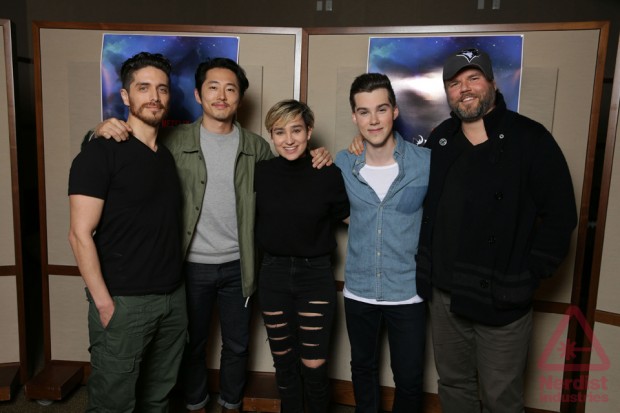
x: 383, y: 235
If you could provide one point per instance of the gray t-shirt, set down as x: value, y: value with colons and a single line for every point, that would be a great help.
x: 215, y: 239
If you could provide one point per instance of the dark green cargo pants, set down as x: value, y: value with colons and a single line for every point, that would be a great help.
x: 135, y: 359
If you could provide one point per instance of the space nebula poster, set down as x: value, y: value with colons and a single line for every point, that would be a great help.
x: 415, y: 65
x: 184, y: 52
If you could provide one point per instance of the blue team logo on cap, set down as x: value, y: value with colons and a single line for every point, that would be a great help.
x: 469, y: 54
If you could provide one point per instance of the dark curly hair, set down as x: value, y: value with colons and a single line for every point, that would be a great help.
x: 140, y: 61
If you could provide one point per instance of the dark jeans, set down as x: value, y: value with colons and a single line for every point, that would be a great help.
x: 298, y: 301
x: 206, y: 285
x: 406, y: 329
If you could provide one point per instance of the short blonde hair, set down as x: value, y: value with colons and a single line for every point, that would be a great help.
x: 287, y: 110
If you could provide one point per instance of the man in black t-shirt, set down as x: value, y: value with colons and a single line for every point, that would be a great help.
x: 125, y: 234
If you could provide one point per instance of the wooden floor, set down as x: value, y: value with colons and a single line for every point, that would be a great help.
x: 76, y: 403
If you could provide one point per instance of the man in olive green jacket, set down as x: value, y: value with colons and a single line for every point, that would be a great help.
x: 218, y: 225
x: 184, y: 143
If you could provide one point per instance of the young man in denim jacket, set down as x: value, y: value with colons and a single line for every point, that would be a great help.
x: 386, y: 186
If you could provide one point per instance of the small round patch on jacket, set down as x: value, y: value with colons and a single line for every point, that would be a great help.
x: 443, y: 141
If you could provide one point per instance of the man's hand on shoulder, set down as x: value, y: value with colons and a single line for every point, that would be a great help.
x: 357, y: 145
x: 321, y: 157
x: 113, y: 128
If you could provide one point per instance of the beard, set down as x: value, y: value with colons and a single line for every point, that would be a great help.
x: 145, y: 114
x: 485, y: 103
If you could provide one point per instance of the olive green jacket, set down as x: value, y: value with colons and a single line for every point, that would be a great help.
x: 184, y: 143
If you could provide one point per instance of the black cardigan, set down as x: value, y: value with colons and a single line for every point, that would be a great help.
x: 524, y: 230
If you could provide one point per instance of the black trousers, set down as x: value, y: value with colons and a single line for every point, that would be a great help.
x: 298, y: 300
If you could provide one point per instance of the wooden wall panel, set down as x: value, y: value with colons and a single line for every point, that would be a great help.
x: 603, y: 302
x: 67, y: 81
x: 12, y: 319
x: 560, y: 88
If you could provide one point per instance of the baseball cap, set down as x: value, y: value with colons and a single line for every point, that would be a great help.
x: 467, y: 58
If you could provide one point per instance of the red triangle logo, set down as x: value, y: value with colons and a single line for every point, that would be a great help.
x: 569, y: 349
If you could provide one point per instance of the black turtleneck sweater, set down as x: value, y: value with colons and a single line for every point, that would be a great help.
x: 297, y: 207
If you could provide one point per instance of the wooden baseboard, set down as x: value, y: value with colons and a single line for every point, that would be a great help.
x: 59, y: 378
x: 55, y: 381
x: 261, y: 394
x: 342, y: 393
x: 9, y: 379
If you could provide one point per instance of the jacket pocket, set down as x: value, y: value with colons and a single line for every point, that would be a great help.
x: 513, y: 291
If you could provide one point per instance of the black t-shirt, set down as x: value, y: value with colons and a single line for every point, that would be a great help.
x: 138, y: 236
x: 297, y: 206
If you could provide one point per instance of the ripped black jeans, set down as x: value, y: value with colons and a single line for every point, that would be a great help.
x: 298, y: 300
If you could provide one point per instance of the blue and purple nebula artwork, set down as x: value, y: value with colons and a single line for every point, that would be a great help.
x: 184, y: 52
x: 415, y: 65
